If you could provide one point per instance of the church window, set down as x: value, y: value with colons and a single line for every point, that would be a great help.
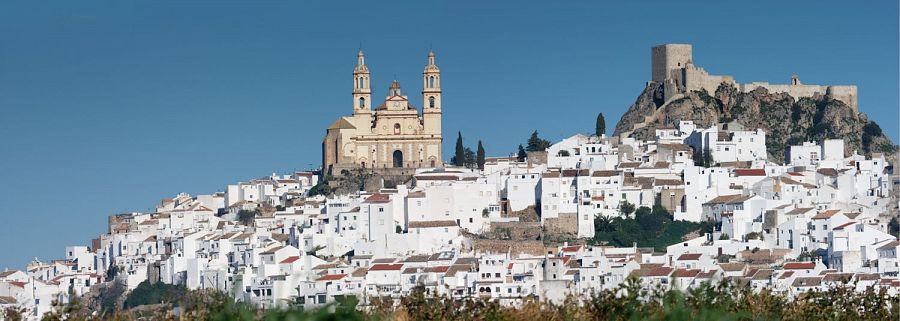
x: 431, y: 82
x: 431, y: 102
x: 396, y: 129
x: 362, y: 102
x: 360, y: 82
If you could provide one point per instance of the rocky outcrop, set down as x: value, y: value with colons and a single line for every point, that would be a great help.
x: 786, y: 120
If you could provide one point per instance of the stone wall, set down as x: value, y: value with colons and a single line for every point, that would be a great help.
x: 565, y: 224
x: 514, y: 247
x: 672, y: 65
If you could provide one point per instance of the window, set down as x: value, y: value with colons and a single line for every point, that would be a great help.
x: 396, y: 129
x: 362, y: 102
x: 431, y: 102
x: 431, y: 82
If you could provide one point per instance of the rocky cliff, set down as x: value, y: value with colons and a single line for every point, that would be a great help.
x: 786, y: 120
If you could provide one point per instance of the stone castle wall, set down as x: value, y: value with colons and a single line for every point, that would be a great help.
x: 672, y: 65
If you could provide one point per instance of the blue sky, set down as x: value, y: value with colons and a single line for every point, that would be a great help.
x: 107, y: 107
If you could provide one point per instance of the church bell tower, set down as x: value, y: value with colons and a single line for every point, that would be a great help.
x: 362, y: 91
x: 431, y: 96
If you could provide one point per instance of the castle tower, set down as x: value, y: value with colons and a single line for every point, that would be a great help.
x: 431, y: 96
x: 665, y: 59
x: 362, y: 91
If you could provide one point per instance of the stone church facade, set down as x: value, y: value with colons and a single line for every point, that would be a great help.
x: 394, y: 137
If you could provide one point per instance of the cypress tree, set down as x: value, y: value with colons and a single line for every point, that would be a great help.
x: 479, y: 156
x: 522, y: 154
x: 460, y: 158
x: 601, y: 125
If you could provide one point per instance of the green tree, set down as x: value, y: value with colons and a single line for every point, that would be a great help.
x: 479, y: 156
x: 626, y: 208
x: 246, y: 217
x: 536, y: 143
x: 470, y: 161
x: 600, y: 128
x: 521, y: 155
x: 460, y: 158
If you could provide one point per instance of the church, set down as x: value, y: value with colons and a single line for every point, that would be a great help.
x: 394, y: 137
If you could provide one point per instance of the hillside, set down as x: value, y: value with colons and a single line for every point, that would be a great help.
x: 786, y: 120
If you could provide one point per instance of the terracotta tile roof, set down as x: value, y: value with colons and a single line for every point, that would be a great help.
x: 706, y: 275
x: 7, y: 273
x: 290, y: 259
x: 786, y: 275
x: 732, y: 267
x: 823, y: 272
x: 689, y: 257
x: 385, y: 267
x: 867, y: 276
x: 332, y: 277
x: 683, y: 273
x: 629, y: 165
x: 7, y: 300
x: 272, y: 250
x: 763, y: 274
x: 831, y: 172
x: 452, y: 270
x: 573, y: 248
x: 667, y: 182
x: 659, y: 271
x: 799, y: 210
x: 838, y: 277
x: 605, y: 173
x: 842, y: 226
x: 750, y: 172
x: 825, y: 214
x: 384, y: 260
x: 360, y: 272
x: 889, y: 245
x: 438, y: 269
x: 378, y: 198
x: 807, y: 281
x: 676, y: 147
x: 799, y: 265
x: 728, y: 199
x: 417, y: 258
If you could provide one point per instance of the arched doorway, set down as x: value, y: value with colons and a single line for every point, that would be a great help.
x: 398, y: 159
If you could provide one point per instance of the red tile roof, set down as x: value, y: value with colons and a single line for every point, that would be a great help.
x: 378, y: 198
x: 799, y: 265
x: 842, y: 226
x: 682, y: 273
x: 659, y: 271
x: 750, y: 172
x: 386, y: 267
x: 689, y: 257
x: 332, y: 277
x: 290, y: 259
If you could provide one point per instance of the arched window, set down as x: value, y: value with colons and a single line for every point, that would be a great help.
x: 431, y: 82
x: 359, y: 82
x: 362, y: 102
x: 431, y: 102
x: 397, y: 129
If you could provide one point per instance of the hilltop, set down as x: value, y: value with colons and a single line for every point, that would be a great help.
x: 786, y: 119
